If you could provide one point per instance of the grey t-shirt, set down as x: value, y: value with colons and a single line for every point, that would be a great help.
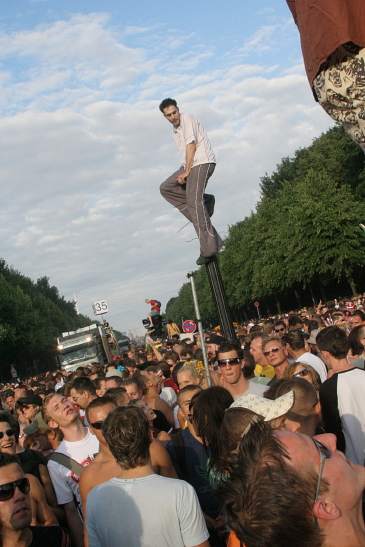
x: 145, y: 512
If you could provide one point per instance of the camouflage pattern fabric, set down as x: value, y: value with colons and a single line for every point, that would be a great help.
x: 340, y: 90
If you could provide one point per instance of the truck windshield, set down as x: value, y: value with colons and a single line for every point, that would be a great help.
x: 77, y: 355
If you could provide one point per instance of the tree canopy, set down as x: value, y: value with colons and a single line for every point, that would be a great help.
x: 32, y: 315
x: 304, y: 234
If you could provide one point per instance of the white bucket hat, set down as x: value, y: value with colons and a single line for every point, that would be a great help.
x: 267, y: 408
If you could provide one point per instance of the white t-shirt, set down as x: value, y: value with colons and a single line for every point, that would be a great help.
x: 65, y: 482
x: 150, y: 511
x: 256, y: 387
x: 169, y: 396
x: 190, y: 130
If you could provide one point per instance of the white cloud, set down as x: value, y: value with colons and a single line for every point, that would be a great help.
x: 84, y: 150
x: 259, y: 41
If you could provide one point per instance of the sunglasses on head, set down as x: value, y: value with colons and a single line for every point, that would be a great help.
x: 97, y: 425
x: 273, y: 350
x: 9, y: 433
x: 225, y: 362
x: 304, y: 372
x: 7, y: 490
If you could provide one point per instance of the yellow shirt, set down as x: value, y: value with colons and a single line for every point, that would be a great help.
x: 267, y: 371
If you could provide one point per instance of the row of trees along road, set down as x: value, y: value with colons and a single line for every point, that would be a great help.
x: 303, y: 241
x: 32, y: 315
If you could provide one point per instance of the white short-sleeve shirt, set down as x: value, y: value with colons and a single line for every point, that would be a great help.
x: 65, y: 482
x: 190, y: 130
x: 149, y: 511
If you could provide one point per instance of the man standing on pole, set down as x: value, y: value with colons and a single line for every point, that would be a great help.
x: 184, y: 189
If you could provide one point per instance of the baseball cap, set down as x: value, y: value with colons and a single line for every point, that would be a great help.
x: 31, y: 399
x: 267, y: 408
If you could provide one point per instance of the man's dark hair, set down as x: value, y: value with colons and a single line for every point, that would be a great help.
x: 6, y: 417
x: 226, y: 347
x: 7, y: 459
x: 186, y: 389
x: 254, y: 335
x: 262, y: 477
x: 82, y: 383
x: 137, y: 380
x: 129, y: 362
x: 98, y: 402
x: 98, y: 380
x: 117, y: 379
x: 295, y: 339
x: 294, y: 321
x: 164, y: 368
x: 115, y: 393
x: 334, y: 340
x: 127, y: 432
x: 166, y: 103
x: 313, y: 324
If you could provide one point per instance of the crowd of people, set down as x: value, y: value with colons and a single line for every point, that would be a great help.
x: 150, y: 451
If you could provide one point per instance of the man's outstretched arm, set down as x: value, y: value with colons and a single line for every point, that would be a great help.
x: 189, y: 159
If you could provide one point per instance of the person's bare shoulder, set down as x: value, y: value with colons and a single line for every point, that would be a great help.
x: 90, y: 475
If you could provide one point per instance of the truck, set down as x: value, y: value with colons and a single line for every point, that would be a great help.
x: 81, y: 347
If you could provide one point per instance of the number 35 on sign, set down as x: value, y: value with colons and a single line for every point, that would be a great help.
x: 100, y: 307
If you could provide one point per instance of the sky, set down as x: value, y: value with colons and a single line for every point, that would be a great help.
x: 84, y: 147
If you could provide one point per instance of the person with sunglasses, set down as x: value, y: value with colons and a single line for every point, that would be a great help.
x: 44, y: 504
x: 230, y: 372
x: 280, y: 328
x: 275, y: 351
x: 16, y: 511
x: 301, y: 491
x: 304, y: 371
x: 262, y: 367
x: 299, y: 350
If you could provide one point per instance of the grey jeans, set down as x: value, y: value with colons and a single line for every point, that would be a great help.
x: 188, y: 199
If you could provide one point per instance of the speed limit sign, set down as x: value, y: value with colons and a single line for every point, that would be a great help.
x: 100, y: 307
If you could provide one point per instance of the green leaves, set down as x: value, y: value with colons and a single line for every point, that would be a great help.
x: 31, y: 316
x: 305, y: 229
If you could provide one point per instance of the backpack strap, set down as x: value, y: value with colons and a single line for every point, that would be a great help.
x: 67, y: 462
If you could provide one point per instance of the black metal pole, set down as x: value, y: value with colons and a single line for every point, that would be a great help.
x: 219, y: 296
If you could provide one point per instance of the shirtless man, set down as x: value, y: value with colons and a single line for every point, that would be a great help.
x: 104, y: 467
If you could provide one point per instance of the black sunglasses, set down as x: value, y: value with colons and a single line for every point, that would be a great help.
x: 9, y: 433
x: 324, y: 454
x: 97, y: 425
x: 7, y: 490
x: 225, y: 362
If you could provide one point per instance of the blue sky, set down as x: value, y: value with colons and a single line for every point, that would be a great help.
x: 220, y: 27
x: 85, y: 148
